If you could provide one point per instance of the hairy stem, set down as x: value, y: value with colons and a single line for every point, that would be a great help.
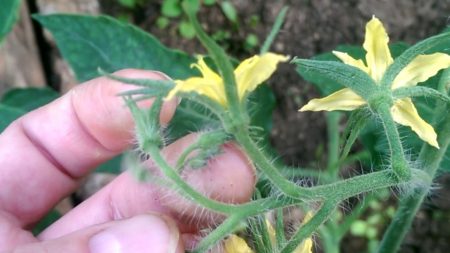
x: 430, y: 158
x: 306, y: 230
x: 272, y: 173
x: 185, y: 188
x: 398, y: 160
x: 219, y: 233
x: 333, y: 119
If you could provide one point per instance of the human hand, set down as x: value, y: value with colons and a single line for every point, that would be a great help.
x: 44, y: 154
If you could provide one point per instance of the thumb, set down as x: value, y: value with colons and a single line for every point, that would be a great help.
x: 140, y: 234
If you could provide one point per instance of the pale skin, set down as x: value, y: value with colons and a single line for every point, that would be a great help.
x: 45, y: 153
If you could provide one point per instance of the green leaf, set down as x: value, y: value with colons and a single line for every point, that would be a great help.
x: 355, y: 124
x: 128, y: 3
x: 343, y: 74
x: 186, y: 29
x: 193, y: 4
x: 112, y: 166
x: 8, y: 15
x: 171, y: 8
x: 162, y: 22
x: 209, y: 2
x: 8, y: 115
x: 28, y: 99
x: 45, y: 222
x: 89, y: 43
x: 229, y: 11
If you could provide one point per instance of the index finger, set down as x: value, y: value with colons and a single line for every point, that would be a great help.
x: 44, y: 153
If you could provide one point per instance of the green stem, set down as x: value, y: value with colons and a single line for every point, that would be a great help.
x: 398, y: 160
x: 430, y: 159
x: 275, y: 29
x: 218, y: 233
x: 408, y: 207
x: 273, y: 174
x: 333, y: 119
x: 328, y: 239
x: 185, y: 188
x: 306, y: 230
x: 223, y: 64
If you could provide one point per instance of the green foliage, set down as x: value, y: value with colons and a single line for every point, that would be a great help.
x: 9, y: 114
x: 19, y: 101
x: 8, y: 16
x: 28, y: 99
x: 171, y: 8
x: 89, y: 43
x: 229, y: 11
x: 45, y: 222
x: 186, y: 29
x: 128, y: 3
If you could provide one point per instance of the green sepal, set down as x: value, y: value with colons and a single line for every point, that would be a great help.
x: 151, y: 87
x: 431, y: 45
x: 206, y: 146
x: 420, y: 91
x: 356, y: 122
x: 147, y: 125
x: 346, y: 75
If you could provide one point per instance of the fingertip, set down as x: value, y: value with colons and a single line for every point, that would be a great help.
x: 105, y: 114
x: 143, y: 233
x: 229, y: 177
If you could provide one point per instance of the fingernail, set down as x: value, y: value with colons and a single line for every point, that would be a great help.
x: 162, y: 74
x: 146, y: 233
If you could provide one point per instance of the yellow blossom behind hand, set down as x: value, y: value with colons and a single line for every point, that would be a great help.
x: 235, y: 244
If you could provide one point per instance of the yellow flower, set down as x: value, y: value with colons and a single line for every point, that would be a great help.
x: 377, y: 60
x: 249, y: 74
x: 235, y: 244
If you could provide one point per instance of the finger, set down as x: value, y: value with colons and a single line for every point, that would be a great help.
x: 145, y: 233
x: 44, y: 153
x: 228, y: 177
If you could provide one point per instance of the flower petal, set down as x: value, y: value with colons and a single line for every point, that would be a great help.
x: 206, y: 72
x: 255, y: 70
x: 345, y: 100
x: 201, y: 86
x: 378, y: 56
x: 271, y: 232
x: 235, y: 244
x: 404, y: 113
x: 420, y: 69
x: 305, y: 246
x: 347, y: 59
